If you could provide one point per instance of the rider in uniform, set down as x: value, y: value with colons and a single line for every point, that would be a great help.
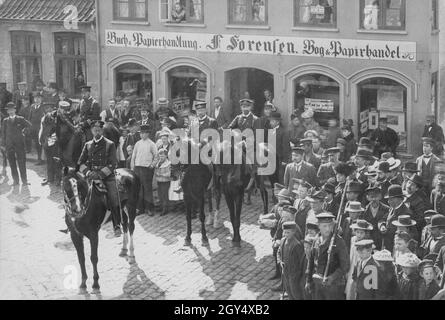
x: 89, y: 110
x: 98, y: 162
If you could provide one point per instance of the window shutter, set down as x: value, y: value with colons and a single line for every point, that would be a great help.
x: 165, y: 7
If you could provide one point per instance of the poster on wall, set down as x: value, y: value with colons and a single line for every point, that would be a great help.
x: 180, y: 103
x: 364, y: 127
x: 373, y: 120
x: 390, y: 99
x: 364, y: 115
x: 396, y: 120
x: 319, y: 105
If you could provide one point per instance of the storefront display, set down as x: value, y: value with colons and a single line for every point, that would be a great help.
x: 319, y: 93
x: 134, y: 80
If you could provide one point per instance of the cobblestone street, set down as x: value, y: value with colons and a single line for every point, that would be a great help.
x: 34, y: 254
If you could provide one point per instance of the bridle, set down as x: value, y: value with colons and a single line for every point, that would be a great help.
x: 69, y: 201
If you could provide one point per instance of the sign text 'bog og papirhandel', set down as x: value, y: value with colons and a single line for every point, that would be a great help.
x: 270, y: 45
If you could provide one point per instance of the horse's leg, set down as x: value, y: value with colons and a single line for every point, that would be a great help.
x: 231, y: 206
x: 204, y: 238
x: 263, y: 192
x: 188, y: 238
x: 78, y: 244
x: 94, y: 242
x: 237, y: 223
x: 131, y: 227
x: 125, y: 219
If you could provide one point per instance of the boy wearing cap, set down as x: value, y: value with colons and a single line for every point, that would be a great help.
x: 333, y: 287
x: 426, y: 164
x: 98, y: 161
x: 36, y: 114
x: 428, y: 286
x: 143, y: 161
x: 13, y: 143
x: 384, y: 138
x: 299, y: 169
x: 291, y: 257
x: 326, y: 170
x: 409, y: 279
x: 375, y: 212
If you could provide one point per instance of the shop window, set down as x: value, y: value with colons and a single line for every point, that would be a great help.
x: 382, y: 14
x: 319, y: 93
x: 382, y: 97
x: 26, y: 52
x: 319, y: 13
x: 248, y: 12
x: 186, y: 86
x: 130, y: 9
x: 435, y: 15
x: 70, y: 58
x: 134, y: 81
x: 182, y: 11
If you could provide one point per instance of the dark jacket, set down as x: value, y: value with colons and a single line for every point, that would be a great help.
x: 89, y: 109
x: 283, y: 150
x: 48, y: 128
x: 313, y: 160
x: 36, y: 114
x: 12, y: 132
x: 418, y: 203
x: 382, y: 213
x: 100, y: 157
x: 366, y: 289
x: 435, y: 132
x: 409, y: 286
x: 385, y: 141
x: 307, y: 173
x: 223, y: 119
x: 130, y: 141
x: 424, y: 248
x: 393, y: 214
x: 325, y: 172
x: 296, y: 133
x: 242, y: 123
x: 350, y: 147
x: 428, y: 292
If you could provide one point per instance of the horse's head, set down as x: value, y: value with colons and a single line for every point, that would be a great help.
x: 73, y: 192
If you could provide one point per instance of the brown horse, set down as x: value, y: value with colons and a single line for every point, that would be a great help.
x: 85, y: 212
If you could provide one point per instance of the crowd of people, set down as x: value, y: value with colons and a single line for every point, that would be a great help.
x: 349, y: 220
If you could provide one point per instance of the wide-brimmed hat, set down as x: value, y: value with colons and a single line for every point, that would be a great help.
x: 417, y: 180
x: 325, y: 217
x: 289, y: 225
x: 362, y: 225
x: 354, y: 206
x: 393, y: 163
x: 410, y: 167
x: 409, y: 260
x: 383, y: 167
x: 404, y: 221
x: 354, y: 186
x: 383, y: 255
x: 365, y: 243
x: 430, y: 213
x: 319, y: 195
x: 437, y: 221
x: 394, y: 191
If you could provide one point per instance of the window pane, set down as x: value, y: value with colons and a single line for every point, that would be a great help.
x: 371, y: 13
x: 239, y: 11
x: 317, y: 12
x: 195, y: 10
x: 178, y: 12
x: 393, y: 18
x: 259, y: 11
x: 164, y: 9
x: 140, y: 9
x: 123, y: 9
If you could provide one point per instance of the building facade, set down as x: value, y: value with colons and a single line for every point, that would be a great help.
x: 48, y: 40
x: 346, y: 59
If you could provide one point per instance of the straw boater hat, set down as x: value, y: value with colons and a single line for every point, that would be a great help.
x: 383, y: 255
x: 365, y: 243
x: 384, y: 167
x: 404, y: 221
x: 393, y: 163
x: 325, y: 217
x: 354, y: 206
x: 409, y: 260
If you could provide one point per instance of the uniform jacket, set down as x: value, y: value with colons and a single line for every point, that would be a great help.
x: 360, y: 275
x: 291, y: 253
x: 89, y: 109
x: 318, y: 259
x: 100, y: 157
x: 382, y: 214
x: 325, y: 172
x: 12, y: 132
x: 242, y: 122
x: 307, y: 173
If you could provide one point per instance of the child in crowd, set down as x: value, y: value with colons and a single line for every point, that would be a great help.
x: 401, y: 241
x: 409, y: 279
x: 389, y: 286
x: 428, y: 286
x: 162, y: 175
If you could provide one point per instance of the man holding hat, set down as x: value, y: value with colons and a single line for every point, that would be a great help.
x: 98, y: 162
x: 375, y: 212
x: 333, y: 288
x: 367, y: 274
x: 398, y: 208
x: 13, y: 143
x: 326, y: 171
x: 384, y: 138
x: 426, y: 164
x: 35, y: 117
x: 143, y: 161
x: 435, y: 132
x: 299, y: 169
x: 291, y: 257
x: 417, y: 201
x: 89, y: 108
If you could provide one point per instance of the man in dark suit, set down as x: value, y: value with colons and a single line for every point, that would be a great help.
x: 47, y: 139
x: 282, y: 147
x: 367, y: 274
x: 5, y: 97
x: 426, y: 164
x: 13, y: 142
x: 417, y: 201
x: 246, y: 120
x: 133, y: 137
x: 436, y: 240
x: 221, y: 114
x: 309, y: 155
x: 435, y: 132
x: 375, y: 212
x: 299, y: 169
x: 22, y: 93
x: 326, y: 170
x: 36, y: 114
x: 398, y: 208
x: 384, y: 138
x: 89, y: 110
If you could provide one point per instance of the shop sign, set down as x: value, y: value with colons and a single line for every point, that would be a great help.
x: 319, y: 10
x: 319, y: 105
x: 268, y: 45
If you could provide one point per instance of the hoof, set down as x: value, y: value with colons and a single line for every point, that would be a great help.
x: 187, y: 242
x: 123, y: 253
x: 236, y: 244
x: 96, y: 291
x: 131, y: 260
x: 83, y: 291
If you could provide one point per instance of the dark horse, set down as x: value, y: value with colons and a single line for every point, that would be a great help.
x: 195, y: 182
x: 85, y: 211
